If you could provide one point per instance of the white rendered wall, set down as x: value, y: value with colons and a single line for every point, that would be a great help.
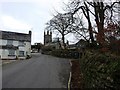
x: 4, y: 42
x: 4, y: 52
x: 15, y: 43
x: 28, y: 48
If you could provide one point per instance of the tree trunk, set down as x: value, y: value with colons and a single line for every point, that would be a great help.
x: 91, y: 32
x: 99, y: 16
x: 87, y: 15
x: 63, y: 40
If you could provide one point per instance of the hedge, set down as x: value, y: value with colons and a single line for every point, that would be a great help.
x: 101, y: 71
x: 67, y: 53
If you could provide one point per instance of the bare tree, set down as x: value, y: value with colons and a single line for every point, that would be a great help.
x: 98, y: 11
x: 77, y: 5
x: 61, y: 23
x: 79, y: 29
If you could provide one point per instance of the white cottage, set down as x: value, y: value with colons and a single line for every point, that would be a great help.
x: 15, y: 45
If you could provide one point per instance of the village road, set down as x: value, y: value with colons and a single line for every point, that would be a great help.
x: 41, y: 71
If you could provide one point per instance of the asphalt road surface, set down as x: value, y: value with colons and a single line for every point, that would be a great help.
x: 41, y: 71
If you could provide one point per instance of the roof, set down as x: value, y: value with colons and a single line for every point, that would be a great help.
x: 81, y: 41
x: 15, y: 36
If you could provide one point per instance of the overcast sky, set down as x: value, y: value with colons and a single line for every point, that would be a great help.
x: 22, y: 16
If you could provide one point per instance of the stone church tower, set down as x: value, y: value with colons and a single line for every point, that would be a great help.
x: 47, y: 37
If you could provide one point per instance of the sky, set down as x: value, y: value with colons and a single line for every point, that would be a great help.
x: 22, y: 16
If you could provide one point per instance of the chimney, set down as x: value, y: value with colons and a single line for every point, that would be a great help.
x: 30, y: 32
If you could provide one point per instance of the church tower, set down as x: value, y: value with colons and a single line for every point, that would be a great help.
x: 47, y: 37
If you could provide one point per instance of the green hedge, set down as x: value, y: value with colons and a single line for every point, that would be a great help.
x: 100, y: 70
x: 47, y: 49
x: 67, y: 53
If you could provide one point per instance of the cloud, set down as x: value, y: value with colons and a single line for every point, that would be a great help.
x: 36, y: 13
x: 41, y: 1
x: 11, y: 23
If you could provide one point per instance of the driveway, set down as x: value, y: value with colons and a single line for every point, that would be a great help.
x: 41, y: 71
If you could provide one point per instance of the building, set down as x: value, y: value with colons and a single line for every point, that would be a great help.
x: 53, y: 42
x: 48, y: 41
x: 15, y: 45
x: 47, y: 37
x: 36, y: 48
x: 80, y: 44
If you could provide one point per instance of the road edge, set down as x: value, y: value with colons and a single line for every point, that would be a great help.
x: 70, y: 75
x: 7, y: 62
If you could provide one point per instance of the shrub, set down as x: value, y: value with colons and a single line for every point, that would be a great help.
x: 100, y: 70
x: 46, y: 49
x: 67, y: 53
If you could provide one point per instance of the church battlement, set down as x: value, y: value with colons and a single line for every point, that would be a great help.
x: 47, y: 33
x: 47, y: 37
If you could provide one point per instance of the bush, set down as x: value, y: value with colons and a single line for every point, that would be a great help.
x: 67, y: 53
x: 47, y: 49
x: 100, y: 70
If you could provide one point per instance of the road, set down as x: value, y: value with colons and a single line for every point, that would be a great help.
x: 41, y: 71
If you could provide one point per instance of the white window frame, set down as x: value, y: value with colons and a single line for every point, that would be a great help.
x: 9, y: 42
x: 11, y: 52
x: 21, y: 43
x: 21, y: 53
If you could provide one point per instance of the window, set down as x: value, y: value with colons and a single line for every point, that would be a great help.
x: 21, y: 43
x: 21, y: 53
x: 11, y: 52
x: 9, y: 42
